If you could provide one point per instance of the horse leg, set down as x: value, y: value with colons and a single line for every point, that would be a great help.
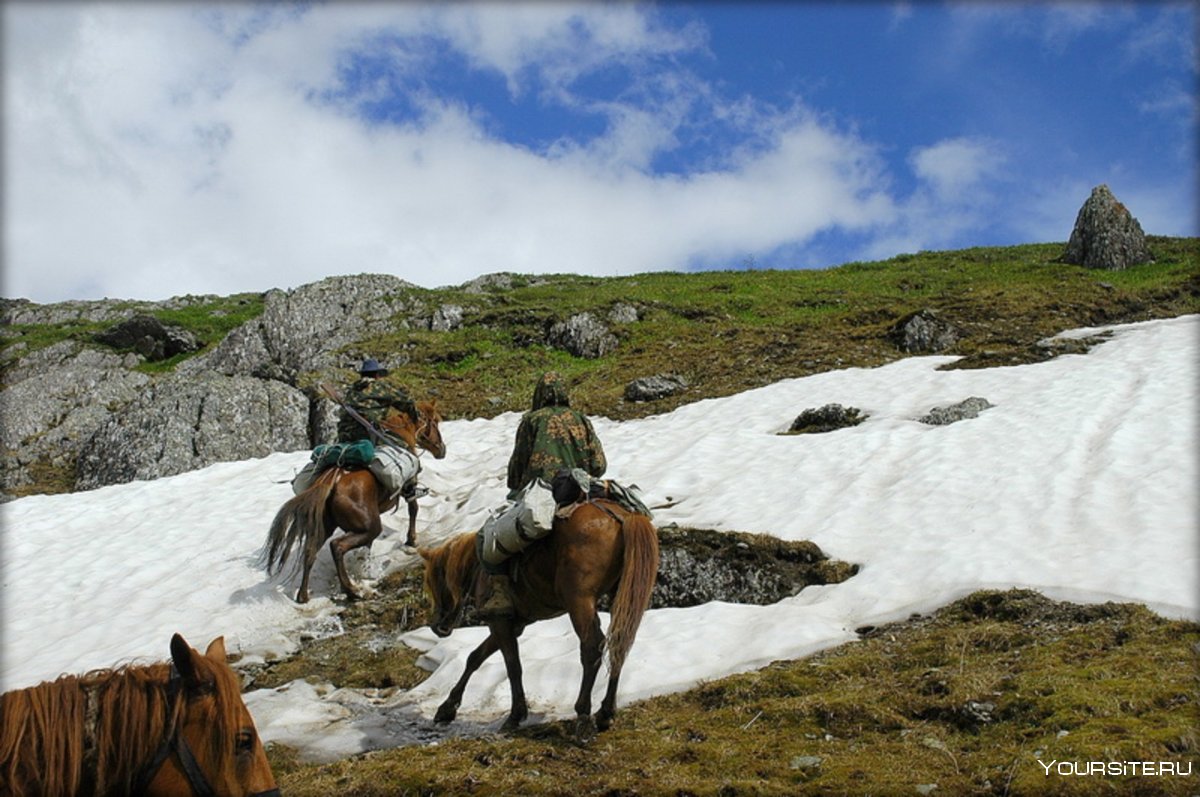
x: 411, y: 540
x: 503, y: 629
x: 591, y: 646
x: 478, y: 656
x: 341, y: 546
x: 311, y: 549
x: 608, y: 706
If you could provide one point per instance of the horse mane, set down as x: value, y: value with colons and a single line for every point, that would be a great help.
x: 103, y: 727
x: 458, y: 561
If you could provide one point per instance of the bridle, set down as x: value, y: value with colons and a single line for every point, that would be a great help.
x: 174, y: 742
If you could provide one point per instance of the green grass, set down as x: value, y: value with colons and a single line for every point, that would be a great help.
x: 969, y: 700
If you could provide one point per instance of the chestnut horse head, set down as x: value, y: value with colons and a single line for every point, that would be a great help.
x: 422, y: 434
x: 174, y: 728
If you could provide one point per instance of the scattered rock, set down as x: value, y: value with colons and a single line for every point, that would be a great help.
x: 446, y: 318
x: 1106, y: 235
x: 622, y: 313
x: 967, y: 408
x: 826, y: 419
x: 976, y: 713
x: 806, y: 762
x: 652, y: 388
x: 582, y: 335
x: 489, y: 283
x: 924, y: 332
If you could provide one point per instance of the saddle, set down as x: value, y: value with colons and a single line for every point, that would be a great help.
x: 573, y: 487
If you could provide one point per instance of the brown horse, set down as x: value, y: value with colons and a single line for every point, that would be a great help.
x: 349, y: 499
x: 164, y: 729
x: 600, y: 549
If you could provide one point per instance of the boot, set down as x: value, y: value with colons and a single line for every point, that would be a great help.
x: 499, y: 602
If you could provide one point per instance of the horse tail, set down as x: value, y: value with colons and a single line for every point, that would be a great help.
x: 638, y: 573
x: 301, y: 519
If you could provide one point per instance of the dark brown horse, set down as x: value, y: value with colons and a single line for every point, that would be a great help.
x: 349, y: 499
x: 601, y: 549
x: 164, y: 729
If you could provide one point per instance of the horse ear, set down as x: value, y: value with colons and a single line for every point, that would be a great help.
x: 185, y: 663
x: 216, y: 650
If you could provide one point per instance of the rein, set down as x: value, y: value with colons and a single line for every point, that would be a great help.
x: 174, y: 742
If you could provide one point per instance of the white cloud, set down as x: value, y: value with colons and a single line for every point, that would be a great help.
x: 154, y: 152
x: 955, y: 166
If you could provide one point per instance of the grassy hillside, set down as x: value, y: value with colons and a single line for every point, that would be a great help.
x: 726, y: 331
x: 977, y: 699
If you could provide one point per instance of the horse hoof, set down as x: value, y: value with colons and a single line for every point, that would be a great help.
x: 302, y: 597
x: 585, y: 730
x: 603, y: 721
x: 445, y: 714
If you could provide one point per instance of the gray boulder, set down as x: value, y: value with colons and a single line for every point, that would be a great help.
x: 149, y: 337
x: 582, y: 335
x: 622, y: 313
x: 967, y: 408
x: 180, y: 424
x: 1106, y: 235
x: 652, y: 388
x: 826, y: 419
x: 924, y: 332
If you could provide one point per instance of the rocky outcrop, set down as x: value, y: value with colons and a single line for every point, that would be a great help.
x: 967, y: 408
x: 653, y: 388
x: 305, y: 328
x: 1106, y: 235
x: 582, y: 335
x: 699, y: 565
x: 924, y: 332
x: 179, y: 424
x: 826, y: 419
x: 54, y: 399
x: 84, y: 412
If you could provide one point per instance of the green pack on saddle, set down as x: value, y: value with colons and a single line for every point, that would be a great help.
x: 344, y: 455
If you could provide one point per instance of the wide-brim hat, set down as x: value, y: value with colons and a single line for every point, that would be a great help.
x: 371, y: 367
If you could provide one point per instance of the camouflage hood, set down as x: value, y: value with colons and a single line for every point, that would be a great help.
x: 551, y: 391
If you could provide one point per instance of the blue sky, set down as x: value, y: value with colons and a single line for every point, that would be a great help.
x: 153, y: 150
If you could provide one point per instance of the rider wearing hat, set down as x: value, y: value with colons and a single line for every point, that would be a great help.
x: 373, y: 399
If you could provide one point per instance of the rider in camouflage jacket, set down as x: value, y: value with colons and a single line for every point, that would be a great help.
x: 551, y: 437
x: 373, y: 399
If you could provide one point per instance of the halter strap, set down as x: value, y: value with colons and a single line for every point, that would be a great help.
x: 174, y: 742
